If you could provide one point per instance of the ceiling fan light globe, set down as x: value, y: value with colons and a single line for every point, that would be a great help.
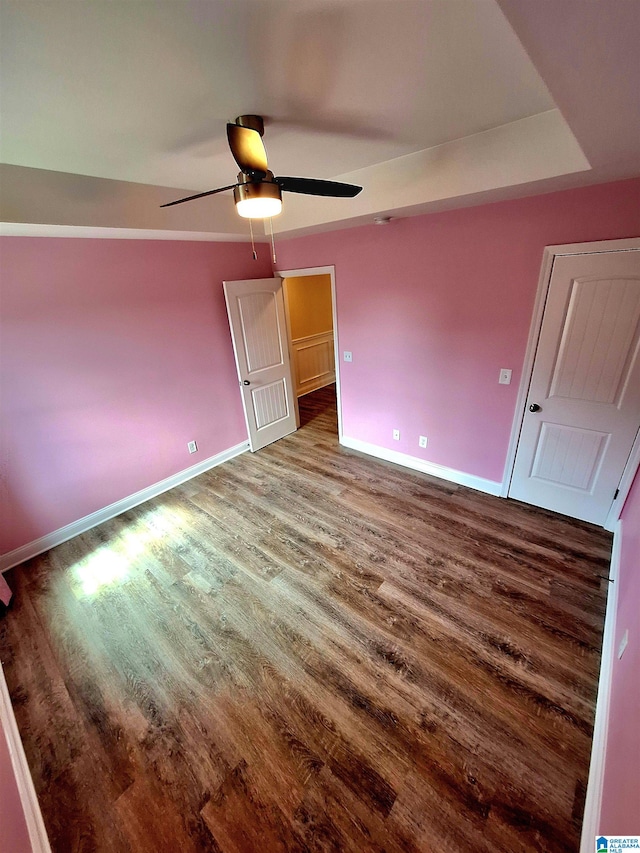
x: 259, y: 208
x: 258, y: 200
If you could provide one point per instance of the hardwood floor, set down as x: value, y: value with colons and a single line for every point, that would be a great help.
x: 309, y: 650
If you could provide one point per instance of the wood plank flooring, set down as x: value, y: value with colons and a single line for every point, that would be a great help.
x: 309, y: 650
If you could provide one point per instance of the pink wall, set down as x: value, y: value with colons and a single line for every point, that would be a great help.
x: 14, y: 836
x: 621, y: 800
x: 115, y: 354
x: 433, y: 306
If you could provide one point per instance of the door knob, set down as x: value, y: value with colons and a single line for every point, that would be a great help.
x: 534, y: 407
x: 246, y: 382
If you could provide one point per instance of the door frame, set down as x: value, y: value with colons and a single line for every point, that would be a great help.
x: 548, y: 259
x: 330, y: 271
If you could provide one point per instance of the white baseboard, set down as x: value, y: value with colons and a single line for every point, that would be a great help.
x: 44, y: 543
x: 460, y: 477
x: 595, y: 785
x: 24, y: 783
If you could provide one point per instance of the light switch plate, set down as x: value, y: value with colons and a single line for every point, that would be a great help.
x: 505, y: 376
x: 348, y: 356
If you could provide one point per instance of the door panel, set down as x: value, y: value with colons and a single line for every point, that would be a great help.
x: 586, y: 381
x: 568, y: 456
x: 270, y: 403
x: 600, y: 333
x: 258, y: 330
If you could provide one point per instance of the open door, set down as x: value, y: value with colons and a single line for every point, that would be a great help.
x: 259, y: 335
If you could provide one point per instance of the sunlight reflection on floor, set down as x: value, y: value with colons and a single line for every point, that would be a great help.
x: 113, y: 563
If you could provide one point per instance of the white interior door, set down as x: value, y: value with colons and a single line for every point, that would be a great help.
x: 583, y: 408
x: 259, y: 334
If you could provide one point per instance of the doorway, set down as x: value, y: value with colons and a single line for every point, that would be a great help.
x: 310, y: 308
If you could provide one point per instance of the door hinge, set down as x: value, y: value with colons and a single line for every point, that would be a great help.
x: 616, y: 494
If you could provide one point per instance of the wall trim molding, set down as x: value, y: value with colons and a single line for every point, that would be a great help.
x: 24, y: 782
x: 595, y: 784
x: 490, y: 487
x: 316, y: 336
x: 95, y: 232
x: 325, y: 369
x: 57, y: 537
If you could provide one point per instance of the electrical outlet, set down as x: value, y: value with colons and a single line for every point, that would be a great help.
x: 348, y: 356
x: 422, y: 441
x: 192, y: 447
x: 396, y: 435
x: 624, y: 642
x: 505, y: 376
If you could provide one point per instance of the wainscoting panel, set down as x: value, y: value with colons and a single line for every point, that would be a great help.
x: 314, y: 362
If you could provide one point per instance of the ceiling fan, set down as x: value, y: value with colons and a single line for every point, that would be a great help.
x: 257, y: 193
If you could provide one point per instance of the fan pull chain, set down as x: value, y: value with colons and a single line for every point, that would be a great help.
x: 273, y: 245
x: 253, y: 245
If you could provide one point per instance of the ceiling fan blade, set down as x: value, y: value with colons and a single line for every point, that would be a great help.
x: 199, y: 195
x: 312, y: 186
x: 247, y: 149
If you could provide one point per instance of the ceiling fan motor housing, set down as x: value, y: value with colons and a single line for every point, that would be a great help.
x: 250, y: 188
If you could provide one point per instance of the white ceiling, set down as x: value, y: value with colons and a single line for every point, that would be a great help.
x: 426, y: 102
